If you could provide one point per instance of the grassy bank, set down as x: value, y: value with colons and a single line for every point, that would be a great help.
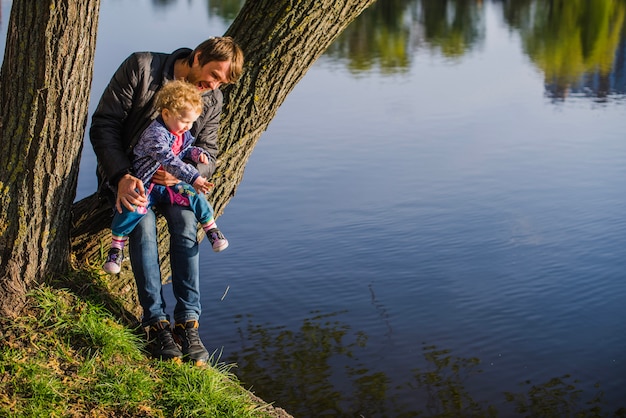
x: 68, y: 356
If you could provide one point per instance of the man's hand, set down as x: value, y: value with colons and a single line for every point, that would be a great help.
x: 130, y: 193
x: 164, y: 178
x: 202, y: 185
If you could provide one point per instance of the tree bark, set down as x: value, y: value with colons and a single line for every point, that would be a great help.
x: 281, y: 40
x: 44, y: 94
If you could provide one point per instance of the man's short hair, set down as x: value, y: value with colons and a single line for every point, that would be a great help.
x: 222, y: 48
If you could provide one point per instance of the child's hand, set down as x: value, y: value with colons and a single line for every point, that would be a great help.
x: 202, y: 185
x: 203, y: 159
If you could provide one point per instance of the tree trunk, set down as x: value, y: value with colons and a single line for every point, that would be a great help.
x: 44, y: 94
x: 281, y: 40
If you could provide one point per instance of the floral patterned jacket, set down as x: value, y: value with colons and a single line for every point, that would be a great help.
x: 154, y: 150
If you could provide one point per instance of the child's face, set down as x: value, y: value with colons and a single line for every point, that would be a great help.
x: 179, y: 123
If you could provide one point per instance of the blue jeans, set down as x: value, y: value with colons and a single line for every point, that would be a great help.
x: 184, y: 261
x: 182, y: 194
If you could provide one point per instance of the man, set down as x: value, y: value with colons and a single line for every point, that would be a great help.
x: 124, y: 111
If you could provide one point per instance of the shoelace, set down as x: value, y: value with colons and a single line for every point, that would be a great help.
x: 165, y: 337
x: 192, y: 335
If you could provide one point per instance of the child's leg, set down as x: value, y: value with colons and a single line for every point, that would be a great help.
x: 216, y: 238
x: 113, y: 263
x: 186, y: 195
x: 118, y: 242
x: 122, y: 224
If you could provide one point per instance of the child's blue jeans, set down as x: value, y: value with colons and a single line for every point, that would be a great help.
x: 182, y: 194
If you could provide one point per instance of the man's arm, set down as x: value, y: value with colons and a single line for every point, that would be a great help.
x: 107, y: 122
x: 107, y: 135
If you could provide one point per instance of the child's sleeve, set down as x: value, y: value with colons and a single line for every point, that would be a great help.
x: 157, y: 146
x: 193, y: 153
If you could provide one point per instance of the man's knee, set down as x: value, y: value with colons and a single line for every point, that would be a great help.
x: 145, y: 230
x: 182, y: 224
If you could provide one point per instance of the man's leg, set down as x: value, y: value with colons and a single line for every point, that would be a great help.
x: 184, y: 256
x: 144, y: 258
x: 184, y: 259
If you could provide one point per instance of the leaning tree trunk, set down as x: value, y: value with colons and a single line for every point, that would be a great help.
x: 44, y: 94
x: 281, y: 39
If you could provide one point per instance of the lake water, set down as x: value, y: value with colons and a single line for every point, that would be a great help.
x: 433, y: 224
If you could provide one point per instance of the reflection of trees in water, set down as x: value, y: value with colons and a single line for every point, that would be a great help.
x: 301, y: 367
x: 558, y: 397
x: 377, y: 38
x: 577, y: 44
x: 315, y: 371
x: 443, y: 382
x: 225, y: 9
x: 163, y: 4
x: 596, y: 84
x: 452, y: 27
x: 574, y: 42
x: 386, y: 34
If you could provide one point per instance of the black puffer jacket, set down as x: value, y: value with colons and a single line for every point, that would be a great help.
x: 126, y: 109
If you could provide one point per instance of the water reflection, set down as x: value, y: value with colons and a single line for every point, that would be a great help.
x: 388, y: 34
x: 453, y: 27
x: 225, y: 9
x: 578, y: 45
x: 296, y: 367
x: 305, y: 372
x: 380, y: 38
x: 163, y: 5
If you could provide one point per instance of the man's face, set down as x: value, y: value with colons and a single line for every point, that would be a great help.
x: 210, y: 76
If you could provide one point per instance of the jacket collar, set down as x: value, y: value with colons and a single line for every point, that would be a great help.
x: 168, y: 69
x: 161, y: 121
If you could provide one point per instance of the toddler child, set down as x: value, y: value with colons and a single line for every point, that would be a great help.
x: 162, y: 146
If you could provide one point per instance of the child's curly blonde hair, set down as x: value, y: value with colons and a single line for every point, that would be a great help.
x: 178, y: 96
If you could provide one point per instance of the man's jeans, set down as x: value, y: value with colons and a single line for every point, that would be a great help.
x: 184, y: 261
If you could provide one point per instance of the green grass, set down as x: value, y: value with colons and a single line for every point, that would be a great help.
x: 68, y: 357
